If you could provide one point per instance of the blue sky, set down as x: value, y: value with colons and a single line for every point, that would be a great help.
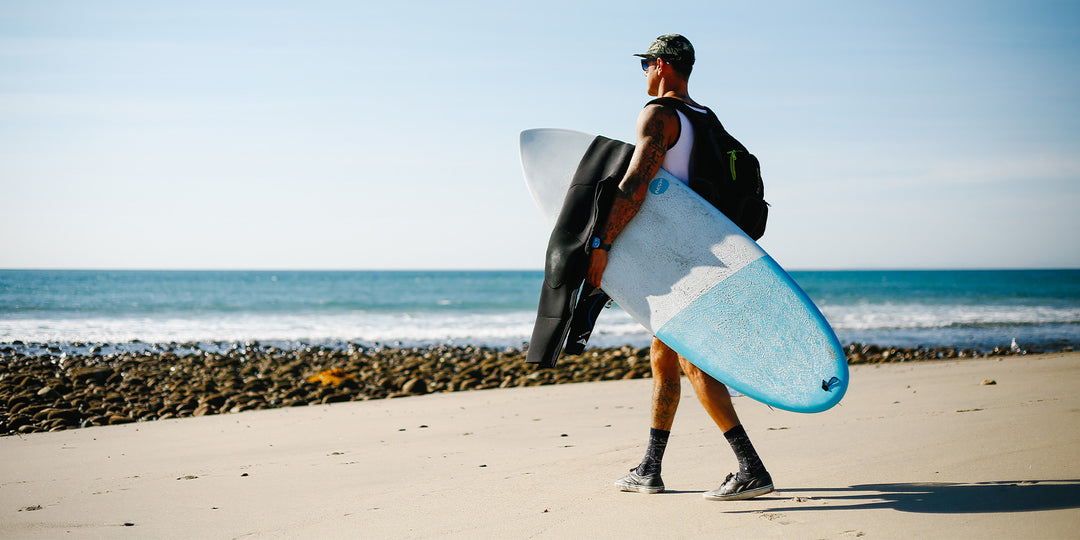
x: 375, y: 135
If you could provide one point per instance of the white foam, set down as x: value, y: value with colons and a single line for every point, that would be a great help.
x: 915, y: 316
x: 508, y: 328
x: 501, y: 328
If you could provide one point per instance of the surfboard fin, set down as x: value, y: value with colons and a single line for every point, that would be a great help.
x: 830, y: 384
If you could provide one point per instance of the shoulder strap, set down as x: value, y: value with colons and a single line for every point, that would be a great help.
x: 686, y: 109
x: 666, y: 101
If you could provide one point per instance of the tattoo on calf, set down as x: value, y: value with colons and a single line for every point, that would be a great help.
x: 666, y: 401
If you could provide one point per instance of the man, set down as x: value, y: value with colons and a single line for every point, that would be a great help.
x: 664, y: 139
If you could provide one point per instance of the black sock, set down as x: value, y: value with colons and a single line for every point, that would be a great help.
x: 655, y: 453
x: 749, y: 462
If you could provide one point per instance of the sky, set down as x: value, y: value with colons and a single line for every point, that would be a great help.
x: 341, y: 134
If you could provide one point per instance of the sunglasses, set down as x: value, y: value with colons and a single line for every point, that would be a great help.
x: 645, y: 63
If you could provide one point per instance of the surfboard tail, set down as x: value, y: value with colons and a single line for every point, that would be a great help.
x: 728, y: 334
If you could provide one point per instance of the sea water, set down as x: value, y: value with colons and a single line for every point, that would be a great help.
x: 983, y: 309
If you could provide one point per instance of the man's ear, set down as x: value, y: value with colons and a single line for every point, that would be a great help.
x: 660, y: 63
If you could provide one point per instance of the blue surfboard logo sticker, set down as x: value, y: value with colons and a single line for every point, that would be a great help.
x: 658, y: 186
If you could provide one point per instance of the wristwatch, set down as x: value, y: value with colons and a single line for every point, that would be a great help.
x: 597, y: 244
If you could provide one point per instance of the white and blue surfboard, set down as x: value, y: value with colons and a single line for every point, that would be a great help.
x: 688, y: 274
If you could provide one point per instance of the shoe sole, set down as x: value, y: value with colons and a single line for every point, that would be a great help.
x: 639, y: 489
x: 748, y: 494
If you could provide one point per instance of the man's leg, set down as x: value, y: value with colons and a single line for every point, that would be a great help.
x: 713, y: 394
x: 666, y: 384
x: 752, y: 479
x: 645, y: 478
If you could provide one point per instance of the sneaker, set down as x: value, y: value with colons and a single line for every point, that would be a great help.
x: 650, y: 483
x: 734, y: 489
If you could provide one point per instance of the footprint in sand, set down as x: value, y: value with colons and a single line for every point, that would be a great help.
x: 778, y: 518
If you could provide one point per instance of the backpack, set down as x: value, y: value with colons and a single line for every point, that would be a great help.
x: 723, y: 172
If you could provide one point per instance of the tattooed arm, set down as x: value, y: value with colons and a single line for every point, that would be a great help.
x: 657, y: 131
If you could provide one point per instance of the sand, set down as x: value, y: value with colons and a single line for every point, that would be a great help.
x: 919, y: 449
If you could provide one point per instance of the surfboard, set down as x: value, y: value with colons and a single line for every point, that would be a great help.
x: 697, y: 282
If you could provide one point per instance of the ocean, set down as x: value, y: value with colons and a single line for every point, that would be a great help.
x: 980, y: 309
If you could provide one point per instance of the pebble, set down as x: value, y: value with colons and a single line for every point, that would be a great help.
x: 56, y: 391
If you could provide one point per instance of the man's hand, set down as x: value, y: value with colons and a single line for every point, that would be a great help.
x: 597, y: 264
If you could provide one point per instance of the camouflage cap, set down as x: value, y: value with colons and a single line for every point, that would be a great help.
x: 670, y: 46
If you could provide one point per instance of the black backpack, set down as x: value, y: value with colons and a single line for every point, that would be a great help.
x: 723, y: 172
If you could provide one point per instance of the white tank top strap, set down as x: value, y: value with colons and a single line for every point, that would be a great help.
x: 677, y: 158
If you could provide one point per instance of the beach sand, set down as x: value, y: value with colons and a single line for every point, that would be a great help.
x: 916, y: 449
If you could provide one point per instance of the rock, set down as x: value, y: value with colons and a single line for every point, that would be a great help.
x: 49, y: 393
x: 214, y: 400
x: 68, y: 415
x: 988, y: 382
x: 95, y: 375
x: 337, y: 398
x: 16, y: 422
x: 415, y: 385
x: 94, y: 421
x: 17, y: 400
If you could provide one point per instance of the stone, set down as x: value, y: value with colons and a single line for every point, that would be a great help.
x: 49, y: 393
x: 416, y: 385
x: 337, y: 398
x: 68, y: 415
x: 95, y: 375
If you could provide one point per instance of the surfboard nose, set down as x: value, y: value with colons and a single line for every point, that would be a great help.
x: 549, y: 159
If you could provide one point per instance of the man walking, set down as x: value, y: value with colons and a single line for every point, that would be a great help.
x: 665, y: 138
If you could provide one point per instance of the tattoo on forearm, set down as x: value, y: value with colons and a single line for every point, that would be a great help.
x: 654, y: 151
x: 633, y: 189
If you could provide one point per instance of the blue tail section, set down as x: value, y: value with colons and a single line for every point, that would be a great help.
x: 735, y: 333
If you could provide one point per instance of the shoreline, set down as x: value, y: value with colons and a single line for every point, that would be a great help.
x: 137, y: 346
x: 57, y: 391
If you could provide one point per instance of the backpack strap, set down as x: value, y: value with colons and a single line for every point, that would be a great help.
x: 720, y: 157
x: 685, y: 108
x: 702, y: 123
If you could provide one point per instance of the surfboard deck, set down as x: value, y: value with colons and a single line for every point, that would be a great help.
x: 697, y: 282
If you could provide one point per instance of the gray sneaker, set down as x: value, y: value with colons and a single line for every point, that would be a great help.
x: 734, y: 489
x: 650, y: 483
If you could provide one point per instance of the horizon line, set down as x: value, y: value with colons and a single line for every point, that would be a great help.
x: 463, y: 269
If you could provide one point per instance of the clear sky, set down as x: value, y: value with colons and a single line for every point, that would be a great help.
x: 346, y: 134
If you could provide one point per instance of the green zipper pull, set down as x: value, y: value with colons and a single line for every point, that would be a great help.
x: 731, y: 154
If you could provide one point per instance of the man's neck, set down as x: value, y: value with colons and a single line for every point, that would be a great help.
x: 681, y: 96
x: 674, y: 88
